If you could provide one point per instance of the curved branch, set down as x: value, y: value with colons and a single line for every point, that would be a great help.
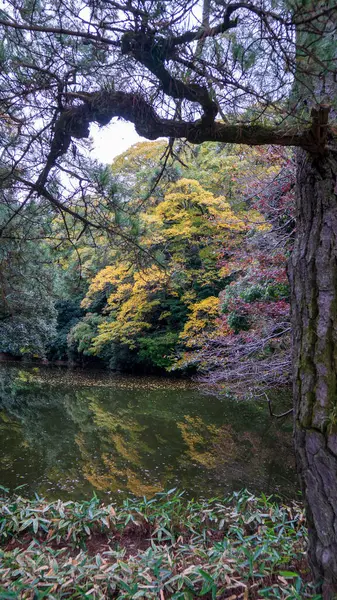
x: 202, y: 33
x: 59, y: 31
x: 102, y: 107
x: 152, y: 53
x: 281, y: 415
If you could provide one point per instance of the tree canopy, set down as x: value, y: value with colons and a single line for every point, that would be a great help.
x: 221, y: 71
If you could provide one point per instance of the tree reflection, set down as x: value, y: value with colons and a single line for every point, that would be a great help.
x: 69, y: 437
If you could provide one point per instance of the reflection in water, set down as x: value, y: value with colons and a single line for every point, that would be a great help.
x: 68, y: 434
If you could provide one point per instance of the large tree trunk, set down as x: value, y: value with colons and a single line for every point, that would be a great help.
x: 313, y: 278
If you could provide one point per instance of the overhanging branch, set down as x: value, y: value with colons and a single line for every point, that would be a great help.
x: 64, y: 208
x: 102, y: 107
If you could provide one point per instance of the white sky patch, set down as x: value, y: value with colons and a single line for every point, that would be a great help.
x: 112, y: 140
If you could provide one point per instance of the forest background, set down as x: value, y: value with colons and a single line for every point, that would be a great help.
x: 194, y: 279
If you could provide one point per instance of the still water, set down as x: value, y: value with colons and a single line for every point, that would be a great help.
x: 66, y: 434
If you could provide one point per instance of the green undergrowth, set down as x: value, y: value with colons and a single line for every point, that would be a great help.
x: 243, y: 547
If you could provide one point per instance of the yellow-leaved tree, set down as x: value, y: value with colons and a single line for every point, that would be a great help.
x: 151, y: 310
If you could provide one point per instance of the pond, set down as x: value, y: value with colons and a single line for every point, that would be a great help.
x: 67, y: 434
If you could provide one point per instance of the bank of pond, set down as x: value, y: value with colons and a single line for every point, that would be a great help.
x: 241, y: 547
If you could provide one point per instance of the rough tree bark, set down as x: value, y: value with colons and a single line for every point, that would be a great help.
x: 313, y: 279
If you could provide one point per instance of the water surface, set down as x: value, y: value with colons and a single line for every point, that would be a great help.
x: 68, y: 434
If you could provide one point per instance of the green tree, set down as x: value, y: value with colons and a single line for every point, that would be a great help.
x: 27, y: 314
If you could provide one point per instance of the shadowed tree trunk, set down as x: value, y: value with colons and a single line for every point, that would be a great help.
x: 313, y: 278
